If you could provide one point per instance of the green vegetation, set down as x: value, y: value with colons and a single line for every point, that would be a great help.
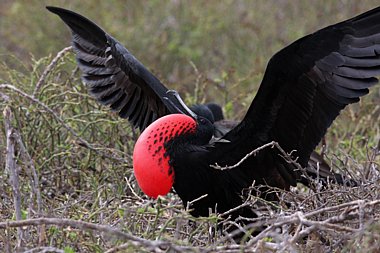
x: 76, y: 163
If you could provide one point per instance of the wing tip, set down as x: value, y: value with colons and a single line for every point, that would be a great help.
x: 80, y: 25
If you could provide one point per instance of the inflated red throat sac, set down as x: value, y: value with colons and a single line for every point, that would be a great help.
x: 153, y: 172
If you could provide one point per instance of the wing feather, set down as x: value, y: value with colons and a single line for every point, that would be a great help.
x: 113, y: 75
x: 304, y: 88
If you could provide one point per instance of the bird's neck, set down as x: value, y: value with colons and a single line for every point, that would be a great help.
x: 187, y: 142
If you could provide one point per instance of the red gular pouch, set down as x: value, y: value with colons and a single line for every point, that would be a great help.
x: 152, y: 169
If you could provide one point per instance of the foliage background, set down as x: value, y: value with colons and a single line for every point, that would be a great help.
x: 207, y: 50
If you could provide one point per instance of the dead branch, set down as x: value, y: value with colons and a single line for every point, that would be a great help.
x: 347, y: 211
x: 252, y: 153
x: 271, y: 144
x: 49, y: 68
x: 34, y: 180
x: 82, y: 141
x: 11, y: 168
x: 153, y: 245
x: 45, y: 249
x: 35, y: 185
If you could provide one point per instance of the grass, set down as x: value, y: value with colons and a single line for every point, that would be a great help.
x: 77, y: 159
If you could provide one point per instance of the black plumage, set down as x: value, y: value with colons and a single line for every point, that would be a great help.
x: 304, y: 88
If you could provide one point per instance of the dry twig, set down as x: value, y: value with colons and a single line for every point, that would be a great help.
x: 49, y: 68
x: 82, y: 141
x: 153, y: 245
x: 11, y: 168
x: 271, y: 144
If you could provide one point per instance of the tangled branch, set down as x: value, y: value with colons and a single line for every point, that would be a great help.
x: 49, y: 68
x: 81, y: 141
x: 271, y: 144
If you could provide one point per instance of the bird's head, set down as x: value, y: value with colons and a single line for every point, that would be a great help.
x: 157, y: 145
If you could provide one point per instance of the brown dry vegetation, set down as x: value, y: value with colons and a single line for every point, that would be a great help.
x: 66, y: 181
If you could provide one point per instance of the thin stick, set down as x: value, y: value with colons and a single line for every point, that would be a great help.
x: 82, y: 141
x: 82, y: 225
x: 49, y: 69
x: 254, y: 152
x: 10, y: 167
x: 34, y: 181
x: 45, y: 249
x: 271, y: 144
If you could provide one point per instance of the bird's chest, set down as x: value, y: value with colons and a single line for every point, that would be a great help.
x: 200, y: 187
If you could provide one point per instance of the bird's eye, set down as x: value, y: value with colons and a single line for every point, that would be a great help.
x: 202, y: 121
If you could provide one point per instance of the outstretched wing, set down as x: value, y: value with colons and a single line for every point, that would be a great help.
x: 304, y: 88
x: 114, y: 76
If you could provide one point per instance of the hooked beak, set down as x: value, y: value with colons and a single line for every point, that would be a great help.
x: 176, y: 104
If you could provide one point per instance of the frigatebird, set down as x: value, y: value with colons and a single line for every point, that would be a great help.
x: 304, y: 88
